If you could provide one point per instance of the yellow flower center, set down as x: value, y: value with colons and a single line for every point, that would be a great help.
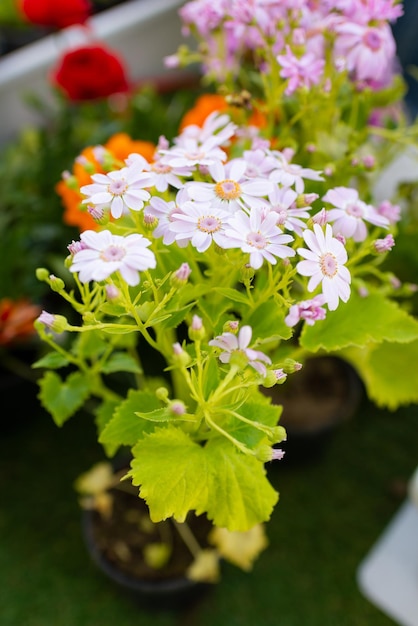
x: 228, y: 189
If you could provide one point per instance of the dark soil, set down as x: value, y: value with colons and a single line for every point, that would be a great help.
x: 121, y: 538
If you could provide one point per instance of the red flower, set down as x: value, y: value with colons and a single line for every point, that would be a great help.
x: 89, y: 73
x: 55, y: 13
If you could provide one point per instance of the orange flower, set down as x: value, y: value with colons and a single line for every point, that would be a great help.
x: 121, y: 145
x: 204, y: 105
x: 16, y: 320
x: 75, y: 214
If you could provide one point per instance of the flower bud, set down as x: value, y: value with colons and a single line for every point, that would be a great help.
x: 42, y: 274
x: 247, y: 274
x: 278, y: 434
x: 231, y: 327
x: 56, y: 284
x: 384, y: 245
x: 112, y: 292
x: 265, y: 453
x: 177, y: 408
x: 290, y: 366
x: 181, y: 276
x: 180, y: 356
x: 98, y: 214
x: 196, y: 330
x: 162, y: 394
x: 57, y: 323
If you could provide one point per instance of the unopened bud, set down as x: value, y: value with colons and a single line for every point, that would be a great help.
x: 162, y: 394
x: 290, y: 366
x: 196, y: 330
x: 320, y: 218
x: 57, y: 323
x: 56, y: 284
x: 42, y: 274
x: 278, y: 434
x: 98, y: 214
x: 180, y: 356
x: 181, y: 276
x: 177, y: 407
x: 231, y: 327
x: 247, y: 274
x: 266, y: 453
x: 112, y: 292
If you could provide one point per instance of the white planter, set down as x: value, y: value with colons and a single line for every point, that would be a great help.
x: 388, y: 576
x: 142, y: 31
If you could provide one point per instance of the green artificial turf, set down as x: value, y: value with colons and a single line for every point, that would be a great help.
x: 330, y: 512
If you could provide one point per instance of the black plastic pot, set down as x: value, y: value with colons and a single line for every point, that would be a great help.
x: 175, y: 592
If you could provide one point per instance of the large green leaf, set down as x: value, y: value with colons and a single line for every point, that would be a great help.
x: 240, y: 495
x: 248, y: 434
x: 389, y: 372
x: 126, y: 427
x: 176, y: 475
x: 359, y: 322
x: 171, y: 471
x: 267, y: 322
x: 121, y: 362
x: 62, y: 398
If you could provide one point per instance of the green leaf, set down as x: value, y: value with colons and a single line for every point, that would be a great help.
x: 113, y: 310
x: 267, y: 322
x: 121, y: 362
x: 52, y: 361
x: 233, y: 294
x: 171, y: 470
x: 175, y: 318
x: 266, y: 414
x: 90, y: 345
x: 388, y: 372
x: 177, y: 475
x: 125, y: 427
x: 103, y: 415
x: 62, y: 398
x: 240, y: 495
x: 359, y: 322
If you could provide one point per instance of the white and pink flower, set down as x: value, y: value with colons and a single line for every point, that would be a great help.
x: 324, y: 262
x: 119, y: 190
x: 351, y: 213
x: 231, y: 188
x: 258, y: 235
x: 105, y: 253
x: 200, y: 223
x: 231, y: 343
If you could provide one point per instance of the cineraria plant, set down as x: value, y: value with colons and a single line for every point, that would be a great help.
x: 213, y: 271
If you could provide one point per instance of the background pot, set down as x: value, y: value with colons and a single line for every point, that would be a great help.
x: 316, y: 400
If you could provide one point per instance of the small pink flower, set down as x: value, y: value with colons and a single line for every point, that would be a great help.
x: 308, y: 310
x: 392, y: 212
x: 230, y: 343
x: 301, y: 72
x: 384, y: 245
